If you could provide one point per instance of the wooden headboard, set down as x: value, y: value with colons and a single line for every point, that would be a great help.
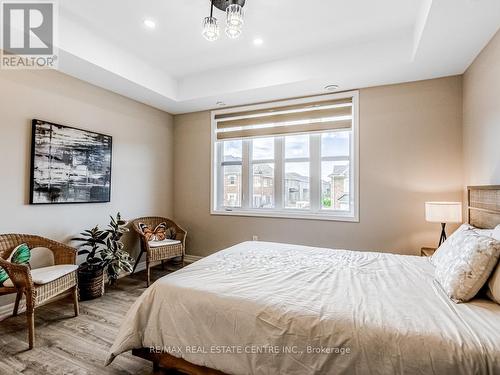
x: 483, y: 206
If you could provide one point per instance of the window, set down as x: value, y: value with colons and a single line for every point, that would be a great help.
x: 263, y: 172
x: 335, y: 171
x: 232, y: 170
x: 296, y: 158
x: 297, y: 172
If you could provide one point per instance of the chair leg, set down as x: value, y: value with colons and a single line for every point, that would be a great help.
x: 148, y: 274
x: 75, y: 300
x: 137, y: 261
x: 19, y: 296
x: 31, y: 328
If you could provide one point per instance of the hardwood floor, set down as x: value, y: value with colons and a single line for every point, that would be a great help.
x: 65, y: 344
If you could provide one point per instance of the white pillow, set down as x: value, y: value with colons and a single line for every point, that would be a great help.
x: 41, y: 257
x: 484, y: 232
x: 496, y: 233
x: 466, y: 263
x: 444, y: 249
x: 494, y: 286
x: 494, y: 282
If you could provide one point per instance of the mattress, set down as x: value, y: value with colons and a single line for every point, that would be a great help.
x: 269, y: 308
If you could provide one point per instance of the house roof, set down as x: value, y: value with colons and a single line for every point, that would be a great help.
x: 340, y: 170
x: 296, y: 177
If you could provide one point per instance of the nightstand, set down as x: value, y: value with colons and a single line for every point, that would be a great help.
x: 427, y: 251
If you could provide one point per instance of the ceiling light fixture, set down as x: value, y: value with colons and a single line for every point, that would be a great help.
x: 331, y: 87
x: 210, y: 27
x: 220, y: 104
x: 234, y: 19
x: 258, y: 41
x: 149, y: 23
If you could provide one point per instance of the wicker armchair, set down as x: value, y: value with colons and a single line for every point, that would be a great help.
x: 162, y: 253
x: 20, y: 275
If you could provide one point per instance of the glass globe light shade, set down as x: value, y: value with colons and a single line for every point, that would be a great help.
x: 210, y: 29
x: 233, y: 32
x: 234, y: 14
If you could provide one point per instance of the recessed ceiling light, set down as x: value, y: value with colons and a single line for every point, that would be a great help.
x: 149, y: 23
x: 331, y: 87
x: 258, y: 41
x: 220, y: 104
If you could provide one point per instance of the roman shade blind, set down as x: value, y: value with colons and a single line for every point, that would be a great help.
x: 303, y: 118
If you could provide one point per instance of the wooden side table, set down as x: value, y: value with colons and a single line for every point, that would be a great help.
x: 427, y: 251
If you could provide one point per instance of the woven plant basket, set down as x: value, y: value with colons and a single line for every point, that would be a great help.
x: 90, y: 283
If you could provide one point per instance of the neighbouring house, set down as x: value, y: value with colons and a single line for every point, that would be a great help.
x: 297, y: 191
x: 297, y: 188
x: 263, y: 186
x: 340, y: 187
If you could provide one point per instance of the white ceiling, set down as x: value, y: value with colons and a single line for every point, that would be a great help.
x: 307, y: 44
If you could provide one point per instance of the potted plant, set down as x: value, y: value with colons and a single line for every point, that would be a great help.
x: 115, y: 258
x: 91, y: 271
x: 104, y: 252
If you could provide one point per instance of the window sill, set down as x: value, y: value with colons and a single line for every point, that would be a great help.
x: 337, y: 216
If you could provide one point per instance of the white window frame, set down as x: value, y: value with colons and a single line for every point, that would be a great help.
x: 316, y: 213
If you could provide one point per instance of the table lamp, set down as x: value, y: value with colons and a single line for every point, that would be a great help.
x: 443, y: 212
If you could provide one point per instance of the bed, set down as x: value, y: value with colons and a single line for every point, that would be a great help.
x: 268, y: 308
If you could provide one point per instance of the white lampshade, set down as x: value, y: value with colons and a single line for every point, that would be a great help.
x: 443, y: 212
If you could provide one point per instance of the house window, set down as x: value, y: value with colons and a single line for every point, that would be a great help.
x: 295, y: 158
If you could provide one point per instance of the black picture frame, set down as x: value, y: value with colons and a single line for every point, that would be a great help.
x: 104, y: 196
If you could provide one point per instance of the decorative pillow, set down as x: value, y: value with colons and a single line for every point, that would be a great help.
x: 445, y: 249
x: 41, y: 257
x: 484, y: 232
x: 466, y: 264
x: 160, y: 233
x: 20, y: 255
x: 171, y: 233
x: 496, y: 233
x: 494, y: 283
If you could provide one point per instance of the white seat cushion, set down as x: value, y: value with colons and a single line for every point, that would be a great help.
x: 163, y: 243
x: 45, y: 275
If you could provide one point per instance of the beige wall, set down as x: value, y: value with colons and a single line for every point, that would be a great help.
x: 482, y: 117
x: 410, y: 152
x: 142, y: 152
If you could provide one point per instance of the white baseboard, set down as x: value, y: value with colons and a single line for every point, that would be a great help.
x: 6, y: 310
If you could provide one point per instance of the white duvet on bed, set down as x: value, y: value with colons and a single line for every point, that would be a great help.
x: 269, y: 308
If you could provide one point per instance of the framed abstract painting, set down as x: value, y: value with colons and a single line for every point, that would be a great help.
x: 69, y: 165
